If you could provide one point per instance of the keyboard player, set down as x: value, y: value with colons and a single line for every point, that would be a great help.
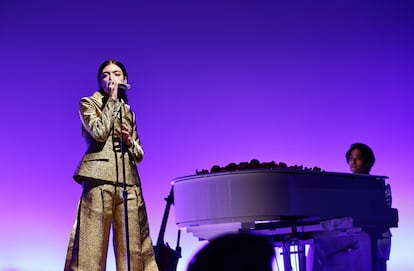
x: 339, y: 250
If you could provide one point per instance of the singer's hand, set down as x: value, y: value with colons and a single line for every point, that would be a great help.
x: 126, y: 137
x: 113, y: 89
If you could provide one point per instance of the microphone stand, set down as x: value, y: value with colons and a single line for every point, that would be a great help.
x: 124, y: 193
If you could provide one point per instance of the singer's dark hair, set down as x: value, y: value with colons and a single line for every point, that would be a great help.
x: 122, y: 93
x: 367, y: 153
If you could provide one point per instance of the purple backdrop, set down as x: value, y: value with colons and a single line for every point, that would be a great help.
x: 213, y: 82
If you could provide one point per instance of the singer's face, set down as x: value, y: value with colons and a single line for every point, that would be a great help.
x: 111, y: 73
x: 356, y: 162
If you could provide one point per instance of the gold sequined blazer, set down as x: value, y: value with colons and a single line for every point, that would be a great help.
x: 100, y: 117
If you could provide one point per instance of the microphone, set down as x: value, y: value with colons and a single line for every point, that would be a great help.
x: 124, y: 86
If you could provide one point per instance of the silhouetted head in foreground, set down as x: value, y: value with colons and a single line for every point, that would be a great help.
x: 234, y: 252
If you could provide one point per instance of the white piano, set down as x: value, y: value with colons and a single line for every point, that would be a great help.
x: 282, y: 202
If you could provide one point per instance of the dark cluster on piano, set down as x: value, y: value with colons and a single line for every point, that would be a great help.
x: 255, y: 164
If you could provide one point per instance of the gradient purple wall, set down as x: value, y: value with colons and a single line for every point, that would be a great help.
x: 213, y: 82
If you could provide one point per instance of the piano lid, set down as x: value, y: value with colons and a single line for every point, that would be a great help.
x: 254, y: 196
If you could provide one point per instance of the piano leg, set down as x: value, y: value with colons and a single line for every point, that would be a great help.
x: 302, y: 257
x: 374, y: 239
x: 286, y: 256
x: 300, y: 252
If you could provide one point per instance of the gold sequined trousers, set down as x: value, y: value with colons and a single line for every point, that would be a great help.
x: 100, y: 207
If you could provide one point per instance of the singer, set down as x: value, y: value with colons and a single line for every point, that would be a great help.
x: 100, y: 173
